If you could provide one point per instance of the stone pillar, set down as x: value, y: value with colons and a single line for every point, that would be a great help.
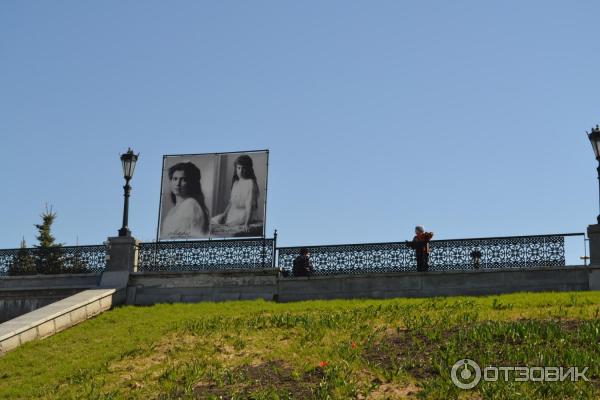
x: 123, y: 254
x: 593, y: 232
x: 122, y: 259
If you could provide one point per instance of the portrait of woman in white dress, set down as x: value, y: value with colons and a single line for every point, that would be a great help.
x: 242, y: 209
x: 189, y: 215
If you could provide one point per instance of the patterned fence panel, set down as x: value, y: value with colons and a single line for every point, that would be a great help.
x: 58, y: 260
x: 459, y: 254
x: 211, y: 255
x: 252, y: 254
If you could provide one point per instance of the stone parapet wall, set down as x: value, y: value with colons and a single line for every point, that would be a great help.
x: 171, y: 287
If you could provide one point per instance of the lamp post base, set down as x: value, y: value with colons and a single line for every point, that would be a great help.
x: 124, y: 232
x: 122, y: 254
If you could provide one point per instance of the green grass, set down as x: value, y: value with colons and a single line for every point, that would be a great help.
x: 319, y: 349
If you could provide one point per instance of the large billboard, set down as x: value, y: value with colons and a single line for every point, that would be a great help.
x: 217, y: 195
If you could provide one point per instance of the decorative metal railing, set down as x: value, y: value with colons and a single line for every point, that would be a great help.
x: 207, y: 255
x: 253, y: 254
x: 57, y: 260
x: 458, y: 254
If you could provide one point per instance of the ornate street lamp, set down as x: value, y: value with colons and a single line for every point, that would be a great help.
x: 594, y: 137
x: 128, y: 160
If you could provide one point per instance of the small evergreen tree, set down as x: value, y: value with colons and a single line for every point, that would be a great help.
x: 24, y: 262
x: 49, y: 257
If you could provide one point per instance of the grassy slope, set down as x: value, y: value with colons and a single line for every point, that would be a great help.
x: 317, y: 349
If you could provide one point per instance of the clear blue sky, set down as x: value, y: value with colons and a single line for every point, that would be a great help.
x: 468, y: 117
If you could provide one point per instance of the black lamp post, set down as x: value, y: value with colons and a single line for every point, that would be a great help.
x: 594, y: 137
x: 128, y: 160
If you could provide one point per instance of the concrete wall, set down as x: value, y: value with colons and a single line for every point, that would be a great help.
x: 442, y: 283
x: 18, y: 302
x: 159, y: 287
x: 19, y: 295
x: 49, y: 281
x: 170, y: 287
x: 23, y: 294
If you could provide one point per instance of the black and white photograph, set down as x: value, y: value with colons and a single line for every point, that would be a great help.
x: 240, y: 196
x: 217, y: 195
x: 186, y: 198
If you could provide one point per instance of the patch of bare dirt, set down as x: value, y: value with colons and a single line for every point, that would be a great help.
x: 270, y: 375
x: 406, y: 350
x: 413, y: 351
x: 391, y: 391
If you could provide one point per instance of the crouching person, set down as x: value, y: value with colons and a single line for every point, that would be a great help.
x: 302, y: 264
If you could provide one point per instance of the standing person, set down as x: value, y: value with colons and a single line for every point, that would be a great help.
x: 188, y: 218
x: 420, y: 244
x: 302, y: 264
x: 242, y: 209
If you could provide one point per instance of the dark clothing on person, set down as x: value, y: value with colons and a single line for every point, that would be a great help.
x: 302, y: 266
x: 420, y: 244
x: 422, y: 261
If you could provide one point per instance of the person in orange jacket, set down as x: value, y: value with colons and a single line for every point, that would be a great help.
x: 420, y: 244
